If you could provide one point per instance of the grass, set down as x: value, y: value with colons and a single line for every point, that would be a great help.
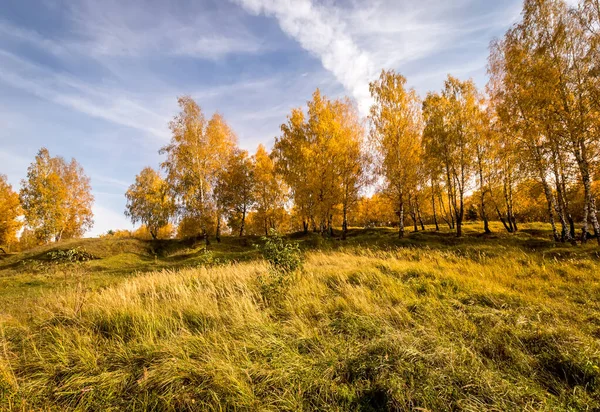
x: 372, y: 323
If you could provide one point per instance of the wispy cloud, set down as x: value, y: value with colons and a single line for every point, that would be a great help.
x: 354, y: 42
x: 116, y: 28
x: 104, y: 103
x: 32, y: 37
x: 109, y: 181
x: 320, y: 31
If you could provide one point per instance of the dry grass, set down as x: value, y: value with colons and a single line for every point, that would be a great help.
x: 358, y: 329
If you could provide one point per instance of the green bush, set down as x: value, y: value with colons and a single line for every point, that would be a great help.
x: 74, y: 255
x: 315, y: 241
x: 207, y: 259
x: 284, y: 257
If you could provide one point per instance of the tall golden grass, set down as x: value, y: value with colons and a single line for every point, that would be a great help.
x: 357, y: 329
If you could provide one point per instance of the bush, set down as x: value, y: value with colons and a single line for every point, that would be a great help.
x: 315, y: 241
x: 472, y: 214
x: 207, y: 259
x: 283, y: 256
x: 74, y: 255
x: 284, y: 259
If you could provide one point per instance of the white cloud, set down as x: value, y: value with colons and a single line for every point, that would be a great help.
x: 356, y: 40
x: 398, y: 32
x: 319, y: 30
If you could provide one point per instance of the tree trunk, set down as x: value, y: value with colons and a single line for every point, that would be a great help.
x: 435, y: 220
x: 243, y: 223
x: 571, y: 228
x: 550, y: 202
x: 218, y: 231
x: 413, y: 216
x: 447, y: 217
x: 560, y: 199
x: 510, y: 218
x: 401, y: 220
x: 501, y: 217
x: 508, y: 184
x: 486, y: 225
x: 550, y: 207
x: 450, y: 208
x: 345, y: 222
x: 420, y: 217
x: 594, y: 218
x: 460, y: 212
x: 590, y: 212
x: 459, y: 219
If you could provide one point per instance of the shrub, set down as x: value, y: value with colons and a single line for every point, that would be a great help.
x: 207, y: 258
x: 74, y: 255
x: 472, y: 214
x: 284, y: 257
x: 315, y: 241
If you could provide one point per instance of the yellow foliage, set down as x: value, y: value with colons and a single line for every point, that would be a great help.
x: 149, y: 201
x: 56, y: 198
x: 195, y: 155
x: 10, y: 210
x: 374, y: 211
x: 164, y: 232
x: 320, y: 158
x: 396, y: 136
x: 118, y: 234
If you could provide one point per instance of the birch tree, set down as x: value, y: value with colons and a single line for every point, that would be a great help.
x: 396, y: 128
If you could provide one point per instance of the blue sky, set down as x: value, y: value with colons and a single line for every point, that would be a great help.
x: 98, y: 80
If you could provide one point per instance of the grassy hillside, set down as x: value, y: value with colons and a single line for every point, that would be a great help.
x: 372, y: 323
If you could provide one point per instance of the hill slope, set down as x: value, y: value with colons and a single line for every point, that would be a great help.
x: 494, y: 324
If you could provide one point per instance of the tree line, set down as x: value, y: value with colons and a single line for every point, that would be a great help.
x: 526, y: 148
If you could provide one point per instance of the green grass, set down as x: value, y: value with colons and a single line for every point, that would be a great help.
x: 372, y: 323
